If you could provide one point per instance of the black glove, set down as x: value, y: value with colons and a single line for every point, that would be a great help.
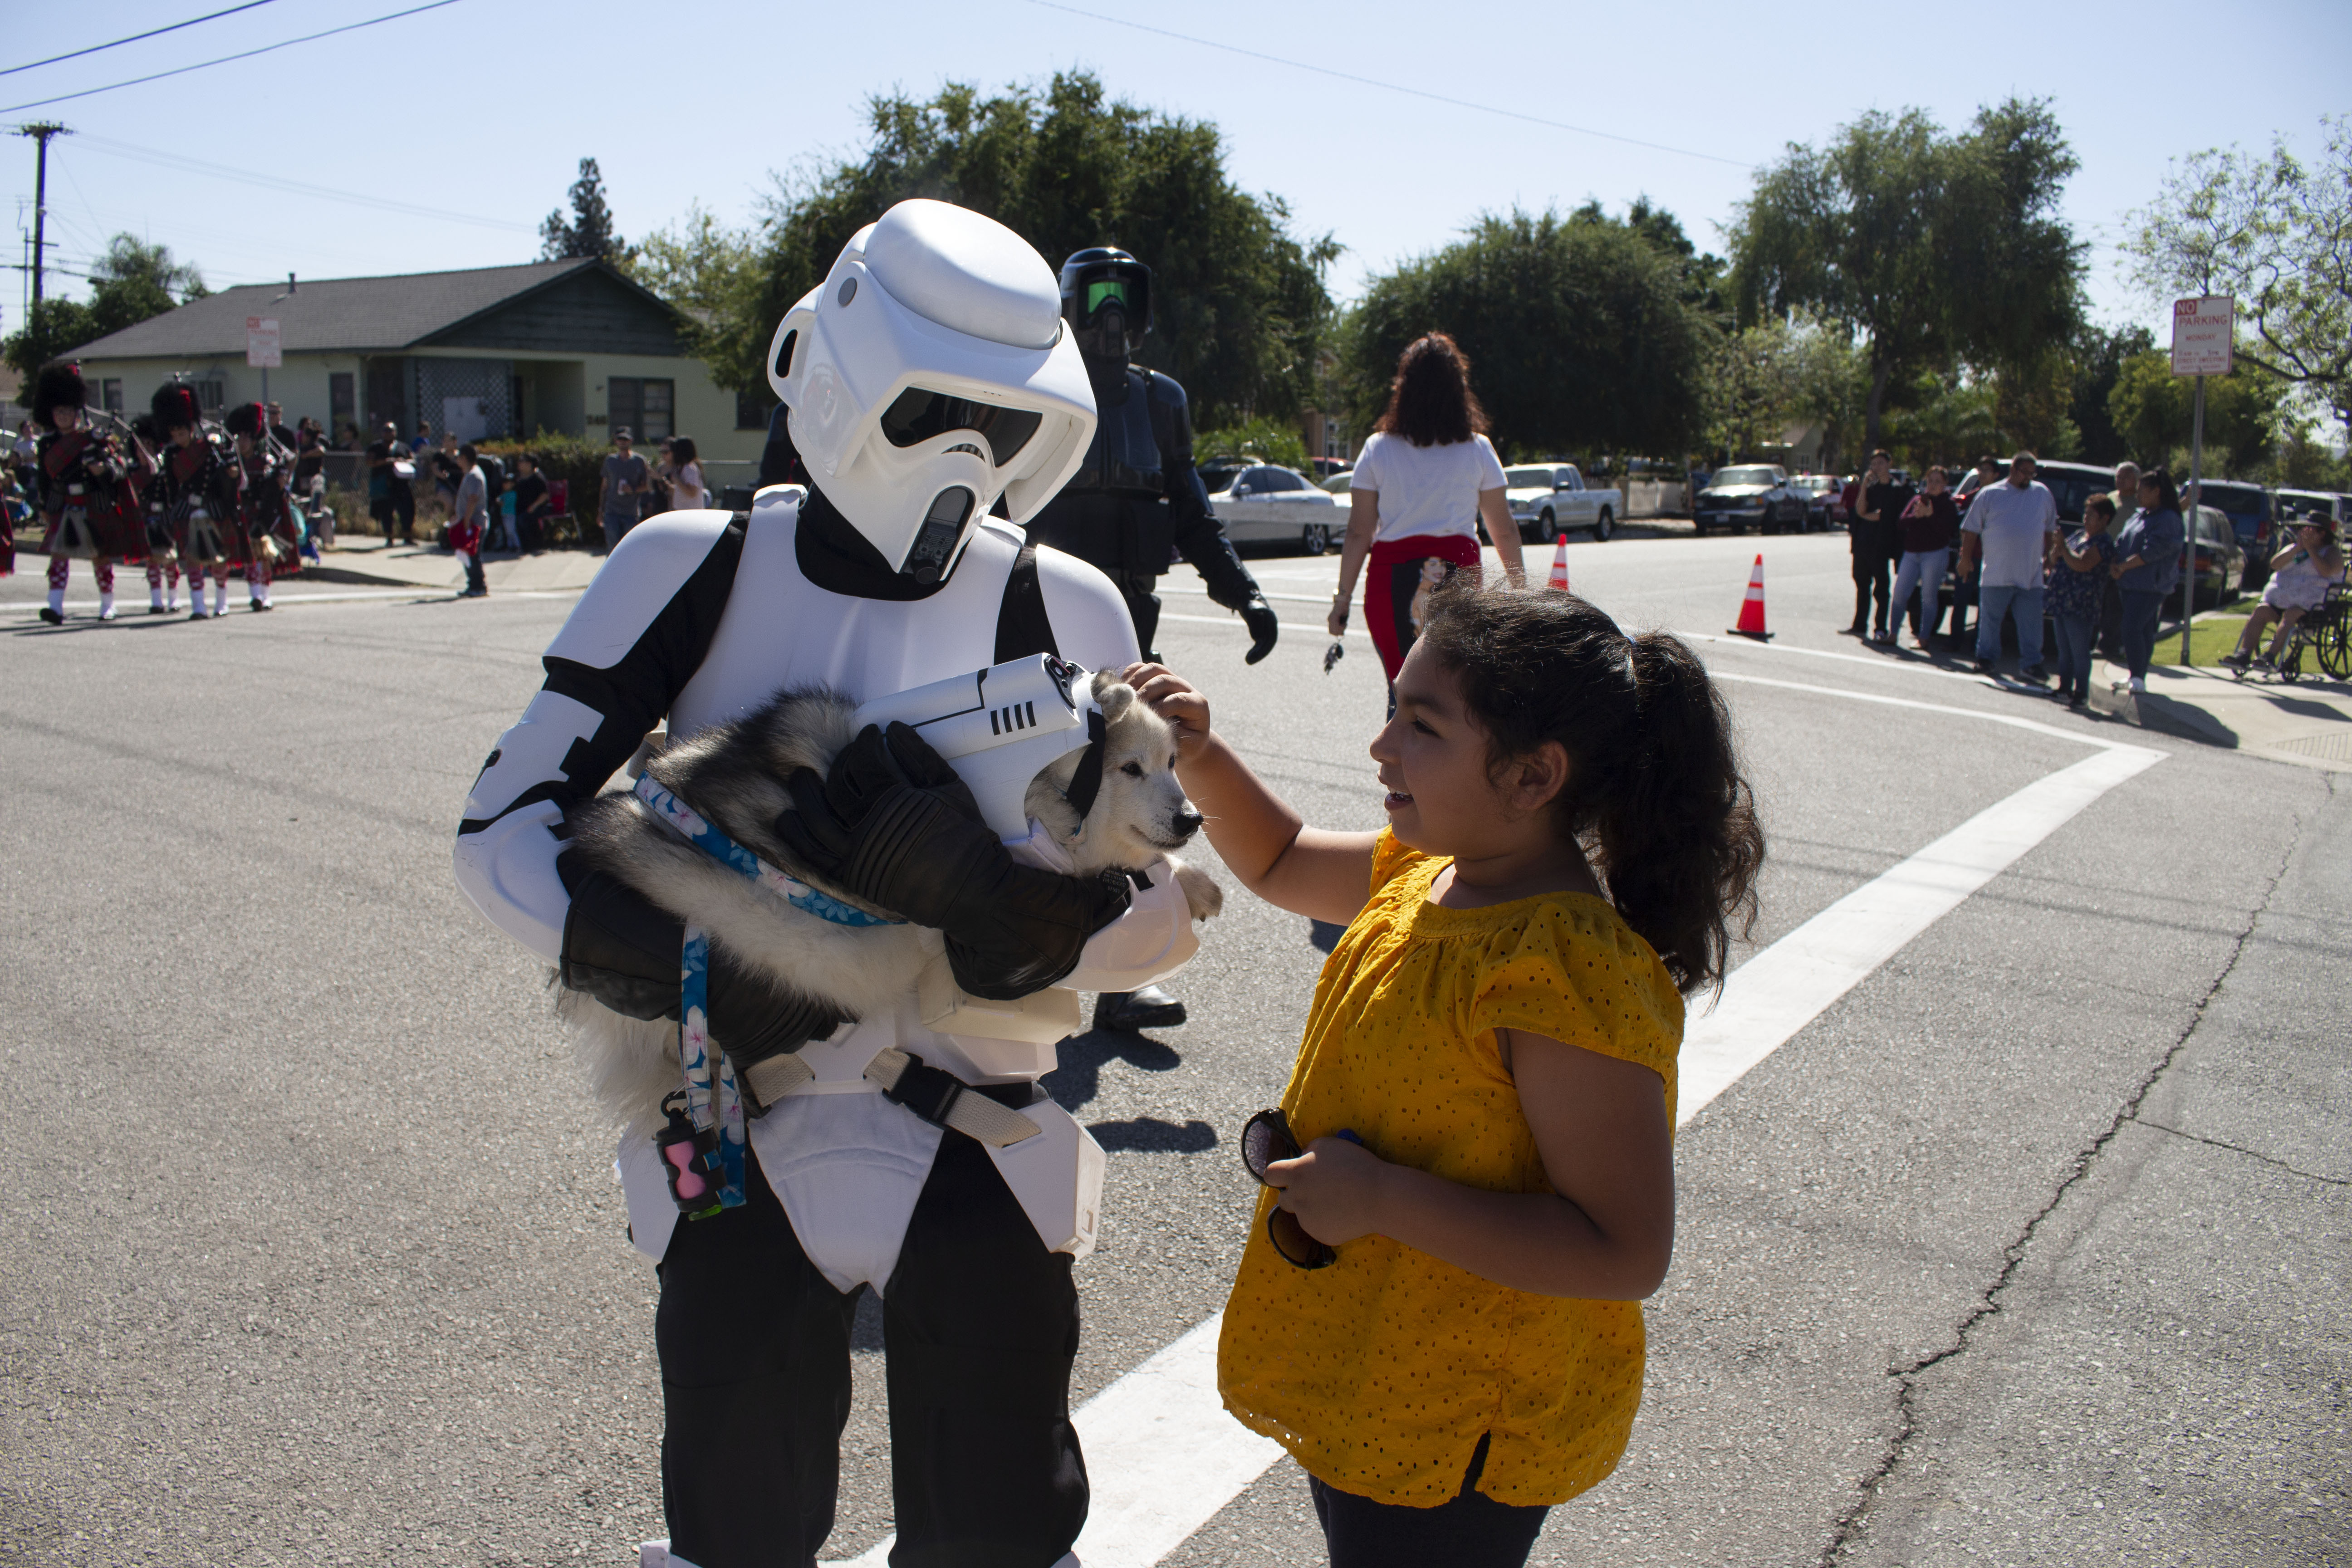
x: 621, y: 951
x: 1258, y: 615
x: 894, y: 826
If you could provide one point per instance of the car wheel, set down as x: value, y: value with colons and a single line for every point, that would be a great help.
x: 1603, y: 526
x: 1316, y: 540
x: 1547, y: 527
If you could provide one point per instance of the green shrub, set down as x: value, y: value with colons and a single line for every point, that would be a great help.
x: 1263, y: 440
x: 579, y: 461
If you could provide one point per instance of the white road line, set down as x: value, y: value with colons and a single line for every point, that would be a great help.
x: 1162, y: 1456
x: 1781, y: 990
x: 135, y: 612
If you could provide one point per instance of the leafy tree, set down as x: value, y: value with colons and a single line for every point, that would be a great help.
x: 1762, y: 381
x: 1578, y: 329
x: 1238, y: 297
x: 2098, y: 355
x: 590, y: 231
x: 1930, y: 249
x: 1262, y: 440
x: 2152, y: 407
x: 2275, y: 235
x: 2305, y: 463
x: 129, y: 281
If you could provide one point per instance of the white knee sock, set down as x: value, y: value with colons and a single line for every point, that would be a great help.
x: 105, y: 603
x: 57, y: 600
x: 220, y: 595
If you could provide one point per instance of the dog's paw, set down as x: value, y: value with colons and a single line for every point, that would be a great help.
x: 1200, y: 892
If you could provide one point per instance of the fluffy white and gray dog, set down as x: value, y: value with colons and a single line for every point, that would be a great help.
x: 734, y: 775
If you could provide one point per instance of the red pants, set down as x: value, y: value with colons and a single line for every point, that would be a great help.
x: 1391, y: 578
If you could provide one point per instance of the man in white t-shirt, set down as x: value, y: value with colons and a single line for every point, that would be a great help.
x: 2009, y: 526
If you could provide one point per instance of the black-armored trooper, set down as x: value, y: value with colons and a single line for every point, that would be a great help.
x: 1137, y: 497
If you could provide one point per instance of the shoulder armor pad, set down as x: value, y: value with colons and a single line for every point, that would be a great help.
x: 640, y: 577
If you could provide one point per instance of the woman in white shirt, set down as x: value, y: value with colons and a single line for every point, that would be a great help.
x: 686, y: 491
x: 1424, y: 479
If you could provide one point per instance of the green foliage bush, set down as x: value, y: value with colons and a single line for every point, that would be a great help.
x: 1265, y: 440
x: 577, y: 459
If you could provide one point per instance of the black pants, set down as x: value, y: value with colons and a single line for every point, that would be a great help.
x: 1473, y: 1530
x: 1874, y: 583
x: 395, y: 507
x: 1143, y: 609
x: 982, y: 1324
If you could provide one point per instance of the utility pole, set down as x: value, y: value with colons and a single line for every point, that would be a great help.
x: 41, y: 134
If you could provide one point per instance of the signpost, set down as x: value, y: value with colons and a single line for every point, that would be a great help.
x: 2204, y: 342
x: 261, y: 348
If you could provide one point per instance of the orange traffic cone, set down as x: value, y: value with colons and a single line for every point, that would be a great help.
x: 1752, y: 608
x: 1560, y: 566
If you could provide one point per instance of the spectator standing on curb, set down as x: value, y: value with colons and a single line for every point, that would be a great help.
x: 1870, y: 536
x: 447, y: 471
x: 2147, y: 568
x: 685, y: 490
x: 424, y: 438
x: 2074, y: 585
x: 391, y: 494
x: 1928, y: 521
x: 626, y: 478
x: 2126, y: 497
x: 2300, y: 576
x: 2008, y: 525
x: 467, y: 519
x: 532, y: 504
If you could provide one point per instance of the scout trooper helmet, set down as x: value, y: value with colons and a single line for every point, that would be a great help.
x: 928, y: 375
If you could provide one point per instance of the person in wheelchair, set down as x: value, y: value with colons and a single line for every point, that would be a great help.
x: 2301, y: 575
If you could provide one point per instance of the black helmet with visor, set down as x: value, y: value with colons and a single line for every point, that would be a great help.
x: 1106, y: 299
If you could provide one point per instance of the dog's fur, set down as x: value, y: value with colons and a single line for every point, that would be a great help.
x: 734, y: 774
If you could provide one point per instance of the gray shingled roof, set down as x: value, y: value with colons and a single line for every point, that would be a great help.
x: 330, y: 315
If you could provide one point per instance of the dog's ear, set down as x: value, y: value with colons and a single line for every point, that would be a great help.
x: 1115, y: 700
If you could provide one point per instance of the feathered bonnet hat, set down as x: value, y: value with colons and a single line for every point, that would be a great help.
x: 247, y: 419
x: 60, y: 387
x: 175, y: 405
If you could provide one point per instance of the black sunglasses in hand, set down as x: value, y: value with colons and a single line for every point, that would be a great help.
x: 1266, y: 1139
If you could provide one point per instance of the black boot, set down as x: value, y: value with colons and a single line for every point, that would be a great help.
x: 1133, y: 1011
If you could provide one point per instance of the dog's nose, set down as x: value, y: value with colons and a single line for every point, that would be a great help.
x: 1187, y: 821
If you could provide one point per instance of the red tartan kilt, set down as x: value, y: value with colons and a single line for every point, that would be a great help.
x: 116, y: 528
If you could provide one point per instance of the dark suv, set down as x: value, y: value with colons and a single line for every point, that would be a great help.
x: 2251, y: 512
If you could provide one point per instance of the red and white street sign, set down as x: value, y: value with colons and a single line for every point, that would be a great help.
x: 261, y: 341
x: 2204, y: 334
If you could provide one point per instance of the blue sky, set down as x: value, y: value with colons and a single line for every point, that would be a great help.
x: 477, y: 112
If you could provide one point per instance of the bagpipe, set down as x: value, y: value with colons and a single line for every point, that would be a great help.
x: 92, y: 505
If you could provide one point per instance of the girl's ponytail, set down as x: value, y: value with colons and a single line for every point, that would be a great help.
x: 1653, y: 794
x: 1678, y: 838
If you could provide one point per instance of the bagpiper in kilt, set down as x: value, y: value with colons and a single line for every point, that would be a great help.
x: 200, y: 482
x: 90, y: 509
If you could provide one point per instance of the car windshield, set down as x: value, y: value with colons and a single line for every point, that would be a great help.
x: 1742, y: 477
x: 2234, y: 498
x: 1528, y: 479
x: 2070, y: 492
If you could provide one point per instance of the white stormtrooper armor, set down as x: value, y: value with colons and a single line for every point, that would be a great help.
x: 926, y: 378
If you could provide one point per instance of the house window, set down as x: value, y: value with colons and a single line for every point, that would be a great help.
x: 644, y: 405
x: 342, y: 403
x: 110, y: 393
x: 752, y: 410
x: 211, y: 395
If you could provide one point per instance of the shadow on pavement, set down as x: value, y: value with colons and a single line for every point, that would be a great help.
x: 1078, y: 1078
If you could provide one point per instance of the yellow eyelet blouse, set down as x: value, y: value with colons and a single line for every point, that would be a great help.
x: 1380, y: 1372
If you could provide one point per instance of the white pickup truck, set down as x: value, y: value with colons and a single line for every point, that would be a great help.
x: 1546, y: 499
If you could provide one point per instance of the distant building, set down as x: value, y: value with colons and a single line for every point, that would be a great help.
x: 572, y: 347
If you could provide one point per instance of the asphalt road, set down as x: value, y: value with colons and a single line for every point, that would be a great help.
x: 2032, y: 1248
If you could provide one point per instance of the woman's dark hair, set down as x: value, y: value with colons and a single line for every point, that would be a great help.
x: 681, y: 450
x: 1654, y: 794
x: 2099, y: 504
x: 2168, y: 498
x: 1430, y: 401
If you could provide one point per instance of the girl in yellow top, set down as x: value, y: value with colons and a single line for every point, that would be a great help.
x: 1569, y: 839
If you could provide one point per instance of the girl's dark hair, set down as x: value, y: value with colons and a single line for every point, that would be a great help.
x: 2099, y: 504
x: 681, y: 450
x: 1654, y: 794
x: 2168, y: 498
x: 1430, y: 401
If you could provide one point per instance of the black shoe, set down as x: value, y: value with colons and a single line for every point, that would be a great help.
x: 157, y: 610
x: 257, y: 606
x: 198, y: 616
x: 1985, y: 667
x: 2033, y: 675
x: 1130, y: 1011
x: 1856, y: 630
x: 55, y: 617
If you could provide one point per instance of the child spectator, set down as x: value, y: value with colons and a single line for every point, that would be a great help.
x: 1486, y: 1092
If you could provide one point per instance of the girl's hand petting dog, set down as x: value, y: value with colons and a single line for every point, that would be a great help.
x: 1337, y: 1189
x: 1174, y: 699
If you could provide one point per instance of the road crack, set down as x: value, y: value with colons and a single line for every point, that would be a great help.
x: 1850, y: 1524
x: 2250, y: 1154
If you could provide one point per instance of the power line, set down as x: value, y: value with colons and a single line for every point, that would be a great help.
x: 296, y: 187
x: 224, y: 59
x: 157, y: 33
x: 1385, y: 85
